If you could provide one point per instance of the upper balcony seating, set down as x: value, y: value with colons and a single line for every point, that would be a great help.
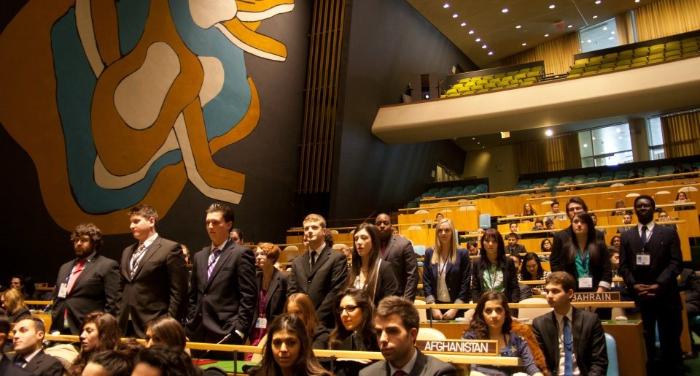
x: 493, y: 79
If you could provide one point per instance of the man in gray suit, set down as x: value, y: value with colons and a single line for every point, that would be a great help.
x: 399, y: 252
x: 396, y: 323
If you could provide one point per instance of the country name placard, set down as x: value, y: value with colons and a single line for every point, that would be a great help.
x: 459, y: 346
x: 596, y: 297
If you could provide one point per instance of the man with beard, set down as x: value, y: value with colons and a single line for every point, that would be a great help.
x: 398, y: 250
x: 88, y: 283
x: 650, y: 262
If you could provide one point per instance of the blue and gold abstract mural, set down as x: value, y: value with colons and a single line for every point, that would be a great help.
x: 123, y: 102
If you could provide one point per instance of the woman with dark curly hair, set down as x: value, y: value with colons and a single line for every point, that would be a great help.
x: 492, y: 321
x: 288, y: 350
x: 100, y: 332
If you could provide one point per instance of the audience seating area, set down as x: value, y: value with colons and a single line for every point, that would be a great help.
x: 494, y: 79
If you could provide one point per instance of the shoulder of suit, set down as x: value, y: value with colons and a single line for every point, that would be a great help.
x: 373, y: 368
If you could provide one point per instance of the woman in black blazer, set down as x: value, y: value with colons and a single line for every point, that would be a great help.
x: 272, y: 290
x: 494, y: 271
x: 369, y: 272
x: 446, y: 272
x: 585, y: 256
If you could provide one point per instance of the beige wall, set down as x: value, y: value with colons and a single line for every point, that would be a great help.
x: 497, y: 164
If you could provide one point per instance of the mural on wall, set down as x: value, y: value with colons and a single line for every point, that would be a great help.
x: 121, y: 103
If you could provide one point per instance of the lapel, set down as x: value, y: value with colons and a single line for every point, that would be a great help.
x: 126, y: 261
x: 421, y: 360
x: 322, y: 257
x: 576, y: 330
x: 152, y: 249
x: 225, y: 255
x: 274, y: 284
x: 389, y: 245
x: 552, y: 339
x: 84, y: 275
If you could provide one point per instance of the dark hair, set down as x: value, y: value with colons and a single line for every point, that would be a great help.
x: 394, y: 305
x: 373, y: 267
x: 612, y: 240
x: 478, y: 324
x: 524, y: 275
x: 306, y: 362
x: 169, y: 361
x: 225, y: 210
x: 239, y: 232
x: 512, y: 235
x: 566, y: 280
x: 501, y: 252
x: 167, y: 331
x: 4, y: 326
x: 146, y: 211
x: 542, y: 244
x: 90, y: 230
x: 555, y: 202
x: 640, y: 197
x: 108, y: 334
x: 531, y: 211
x: 365, y: 332
x: 116, y: 363
x: 571, y: 246
x: 576, y: 200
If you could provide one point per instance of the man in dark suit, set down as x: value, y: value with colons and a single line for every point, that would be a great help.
x: 513, y: 248
x: 574, y: 206
x: 88, y: 283
x: 6, y: 366
x: 223, y: 293
x: 153, y: 274
x: 28, y: 335
x: 571, y: 339
x: 650, y: 262
x: 396, y: 322
x: 398, y: 250
x: 320, y: 272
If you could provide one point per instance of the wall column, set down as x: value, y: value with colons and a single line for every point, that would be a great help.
x: 638, y: 136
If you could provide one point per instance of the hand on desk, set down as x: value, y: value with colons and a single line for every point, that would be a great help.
x: 437, y: 315
x: 450, y: 314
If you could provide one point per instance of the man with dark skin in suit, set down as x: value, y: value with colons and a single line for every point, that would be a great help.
x: 399, y: 251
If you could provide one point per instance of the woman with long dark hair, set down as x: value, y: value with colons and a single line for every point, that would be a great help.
x: 492, y: 321
x: 585, y: 256
x: 369, y: 272
x: 353, y: 329
x: 493, y: 271
x: 100, y: 332
x: 446, y: 272
x: 288, y: 350
x: 531, y: 270
x: 166, y: 331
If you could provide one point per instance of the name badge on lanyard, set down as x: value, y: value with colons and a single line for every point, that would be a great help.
x: 643, y: 259
x: 261, y: 323
x: 63, y: 290
x: 585, y: 282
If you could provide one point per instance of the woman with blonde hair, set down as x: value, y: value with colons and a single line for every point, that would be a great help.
x: 13, y: 303
x: 446, y: 271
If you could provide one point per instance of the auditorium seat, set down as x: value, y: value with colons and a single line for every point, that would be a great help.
x: 611, y: 349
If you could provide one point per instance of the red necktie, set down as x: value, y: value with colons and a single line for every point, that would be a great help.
x: 77, y: 269
x: 400, y: 373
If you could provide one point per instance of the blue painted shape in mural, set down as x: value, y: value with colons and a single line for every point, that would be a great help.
x: 75, y: 83
x: 224, y: 111
x: 132, y: 22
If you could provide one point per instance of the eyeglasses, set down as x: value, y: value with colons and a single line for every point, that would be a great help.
x: 347, y: 308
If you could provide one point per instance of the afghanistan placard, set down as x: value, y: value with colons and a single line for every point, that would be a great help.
x: 459, y: 346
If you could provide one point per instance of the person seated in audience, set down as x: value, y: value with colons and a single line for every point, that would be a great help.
x: 513, y: 247
x: 681, y: 197
x: 620, y: 208
x: 614, y: 262
x: 585, y: 256
x: 353, y: 329
x: 23, y: 284
x: 528, y: 210
x: 555, y: 214
x: 12, y: 302
x: 396, y: 324
x: 445, y: 272
x: 492, y: 321
x: 556, y: 331
x: 615, y: 243
x: 163, y: 361
x: 300, y: 304
x: 272, y: 286
x: 28, y: 335
x: 438, y: 217
x: 369, y: 271
x: 546, y: 245
x: 493, y: 271
x: 166, y: 331
x: 236, y: 235
x: 513, y: 226
x: 539, y: 225
x: 473, y: 248
x: 531, y: 270
x: 100, y: 332
x: 548, y: 224
x: 662, y: 216
x: 109, y: 363
x: 6, y: 366
x: 288, y: 350
x: 626, y: 223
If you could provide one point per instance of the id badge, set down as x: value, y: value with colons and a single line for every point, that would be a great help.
x: 261, y: 323
x: 585, y: 283
x: 643, y: 259
x: 63, y: 290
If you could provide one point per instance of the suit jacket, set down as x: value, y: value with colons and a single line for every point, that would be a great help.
x: 158, y: 288
x: 98, y: 288
x: 399, y: 252
x: 664, y: 250
x: 386, y: 283
x: 9, y: 369
x: 276, y: 294
x: 589, y: 341
x: 226, y: 301
x: 599, y: 264
x: 322, y: 283
x: 44, y: 365
x: 556, y: 258
x: 510, y: 281
x: 425, y: 366
x: 456, y: 277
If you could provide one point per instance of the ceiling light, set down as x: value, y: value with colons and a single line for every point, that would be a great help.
x: 593, y: 138
x: 585, y: 145
x: 570, y: 26
x: 605, y: 28
x: 473, y: 138
x: 612, y: 32
x: 548, y: 133
x: 484, y: 46
x: 490, y: 53
x: 546, y: 35
x: 504, y: 10
x: 477, y: 40
x: 455, y: 15
x: 478, y: 143
x: 594, y: 17
x: 505, y: 134
x: 463, y: 24
x: 611, y: 38
x: 597, y: 2
x: 636, y: 1
x: 589, y: 41
x: 471, y: 32
x: 552, y: 6
x: 446, y: 5
x: 518, y: 26
x: 523, y: 44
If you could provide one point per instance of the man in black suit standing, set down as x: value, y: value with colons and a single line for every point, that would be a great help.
x: 153, y: 274
x: 398, y: 250
x: 397, y: 323
x: 650, y: 262
x: 90, y: 282
x: 223, y: 293
x: 320, y: 272
x: 6, y: 366
x: 572, y: 340
x: 28, y: 335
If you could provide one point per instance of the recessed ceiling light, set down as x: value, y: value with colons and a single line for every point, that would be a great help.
x: 611, y: 38
x: 477, y: 40
x: 605, y: 28
x: 523, y: 44
x: 570, y: 26
x: 636, y: 1
x: 612, y: 32
x: 471, y: 32
x: 598, y: 2
x: 484, y: 46
x: 585, y: 145
x: 446, y: 5
x: 589, y: 41
x: 546, y: 35
x: 455, y: 15
x: 504, y: 10
x: 478, y: 143
x: 473, y: 138
x: 463, y: 24
x: 552, y: 6
x: 548, y: 133
x: 490, y: 53
x: 594, y: 17
x: 518, y: 26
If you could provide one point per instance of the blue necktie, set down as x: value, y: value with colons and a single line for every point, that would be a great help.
x: 568, y: 348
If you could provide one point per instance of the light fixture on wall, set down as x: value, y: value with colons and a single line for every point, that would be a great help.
x: 505, y: 134
x: 548, y: 132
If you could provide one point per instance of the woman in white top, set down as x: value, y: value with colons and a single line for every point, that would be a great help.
x: 369, y: 272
